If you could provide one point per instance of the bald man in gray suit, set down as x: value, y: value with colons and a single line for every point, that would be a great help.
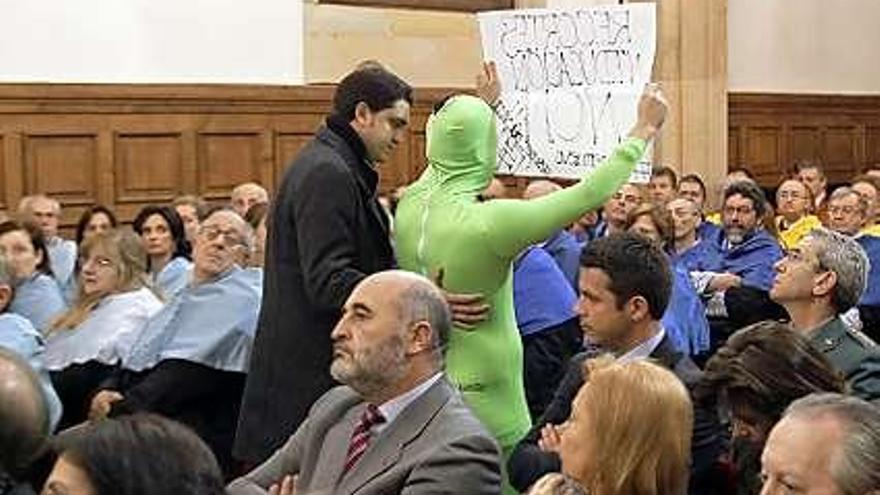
x: 397, y: 425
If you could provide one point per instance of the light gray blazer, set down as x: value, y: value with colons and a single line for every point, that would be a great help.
x: 434, y: 446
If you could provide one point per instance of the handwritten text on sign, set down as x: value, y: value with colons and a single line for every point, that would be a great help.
x: 570, y: 84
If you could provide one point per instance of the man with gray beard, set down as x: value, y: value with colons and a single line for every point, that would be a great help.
x: 737, y: 289
x: 396, y: 425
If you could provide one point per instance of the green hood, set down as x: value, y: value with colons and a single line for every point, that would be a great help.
x: 462, y: 145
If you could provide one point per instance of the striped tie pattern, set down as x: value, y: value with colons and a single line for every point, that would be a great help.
x: 360, y: 437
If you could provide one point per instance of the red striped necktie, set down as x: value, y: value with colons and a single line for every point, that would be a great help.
x: 360, y: 437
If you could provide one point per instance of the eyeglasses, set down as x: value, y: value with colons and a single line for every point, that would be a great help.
x: 846, y: 210
x: 791, y: 195
x: 98, y: 261
x: 231, y: 238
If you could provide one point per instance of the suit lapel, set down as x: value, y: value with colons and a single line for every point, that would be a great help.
x: 666, y: 354
x: 331, y: 460
x: 386, y: 449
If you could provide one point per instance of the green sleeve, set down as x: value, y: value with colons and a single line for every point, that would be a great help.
x: 512, y: 225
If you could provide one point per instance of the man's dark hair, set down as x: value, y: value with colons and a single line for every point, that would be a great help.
x: 635, y: 267
x: 24, y: 415
x: 143, y: 454
x: 748, y: 190
x: 376, y: 87
x: 175, y: 225
x: 694, y: 179
x: 664, y: 171
x: 765, y: 367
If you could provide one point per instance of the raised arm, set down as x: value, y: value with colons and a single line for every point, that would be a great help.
x: 514, y: 224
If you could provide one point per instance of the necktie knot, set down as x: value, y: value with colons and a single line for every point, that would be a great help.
x: 372, y: 416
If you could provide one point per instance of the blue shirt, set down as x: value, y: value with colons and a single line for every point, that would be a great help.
x: 19, y: 336
x: 542, y: 296
x: 38, y: 299
x: 685, y: 316
x: 871, y: 245
x: 566, y: 252
x: 173, y: 277
x: 752, y: 259
x: 62, y: 259
x: 212, y: 323
x: 704, y: 256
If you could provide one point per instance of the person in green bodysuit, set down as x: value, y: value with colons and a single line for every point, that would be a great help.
x: 441, y: 227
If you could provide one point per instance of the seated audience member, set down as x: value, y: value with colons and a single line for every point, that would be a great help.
x: 562, y: 246
x: 685, y: 317
x: 191, y: 209
x: 246, y: 195
x: 734, y: 174
x: 625, y: 282
x: 691, y: 187
x: 36, y: 295
x: 811, y: 173
x: 18, y: 335
x: 847, y: 213
x: 24, y: 422
x: 396, y: 425
x: 817, y: 281
x: 868, y: 187
x: 737, y: 290
x: 689, y: 250
x: 618, y: 208
x: 168, y: 251
x: 793, y: 205
x: 112, y: 306
x: 825, y: 444
x: 135, y: 455
x: 663, y: 184
x: 96, y: 219
x: 189, y: 361
x: 544, y: 305
x: 45, y: 212
x: 752, y: 378
x: 256, y: 218
x: 611, y: 443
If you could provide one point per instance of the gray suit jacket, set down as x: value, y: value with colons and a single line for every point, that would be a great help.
x: 435, y: 445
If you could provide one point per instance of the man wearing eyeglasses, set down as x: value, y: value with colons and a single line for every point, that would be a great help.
x: 190, y: 360
x: 737, y: 289
x: 816, y: 282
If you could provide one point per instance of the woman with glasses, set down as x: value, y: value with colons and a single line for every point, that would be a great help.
x: 168, y: 251
x: 113, y: 304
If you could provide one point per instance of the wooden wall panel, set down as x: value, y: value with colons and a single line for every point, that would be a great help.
x: 128, y: 146
x: 840, y: 131
x: 148, y: 167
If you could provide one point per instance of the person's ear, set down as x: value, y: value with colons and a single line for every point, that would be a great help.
x: 637, y: 308
x: 363, y: 116
x: 824, y: 283
x: 421, y: 338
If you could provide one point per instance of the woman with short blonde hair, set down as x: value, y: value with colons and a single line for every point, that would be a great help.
x: 113, y: 302
x: 629, y: 432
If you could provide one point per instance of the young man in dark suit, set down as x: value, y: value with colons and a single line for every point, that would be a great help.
x: 624, y: 284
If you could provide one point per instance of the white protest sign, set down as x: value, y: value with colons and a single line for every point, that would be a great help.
x: 571, y: 81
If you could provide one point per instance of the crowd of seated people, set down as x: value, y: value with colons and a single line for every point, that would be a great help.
x: 659, y: 347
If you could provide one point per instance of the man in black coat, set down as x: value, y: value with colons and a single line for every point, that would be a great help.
x: 326, y: 232
x: 624, y: 285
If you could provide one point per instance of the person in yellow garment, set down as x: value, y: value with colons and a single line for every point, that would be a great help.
x: 441, y: 227
x: 794, y: 201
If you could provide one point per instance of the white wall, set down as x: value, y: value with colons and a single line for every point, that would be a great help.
x: 804, y: 46
x: 152, y: 41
